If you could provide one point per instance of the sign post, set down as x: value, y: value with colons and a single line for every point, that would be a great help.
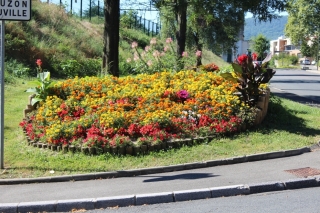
x: 2, y: 96
x: 16, y: 10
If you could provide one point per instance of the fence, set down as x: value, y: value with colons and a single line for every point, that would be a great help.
x: 95, y: 9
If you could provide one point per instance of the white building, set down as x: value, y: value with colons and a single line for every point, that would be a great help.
x: 284, y: 45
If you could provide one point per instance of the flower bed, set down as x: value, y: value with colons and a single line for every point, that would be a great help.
x: 136, y: 110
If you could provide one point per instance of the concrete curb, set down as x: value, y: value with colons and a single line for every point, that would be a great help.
x: 154, y: 170
x: 157, y: 198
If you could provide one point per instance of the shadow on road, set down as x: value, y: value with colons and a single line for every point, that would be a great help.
x: 187, y: 176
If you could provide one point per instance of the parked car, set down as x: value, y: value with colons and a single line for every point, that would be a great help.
x: 306, y: 62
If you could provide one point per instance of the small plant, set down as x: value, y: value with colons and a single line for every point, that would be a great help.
x: 152, y: 59
x: 250, y: 76
x: 41, y: 91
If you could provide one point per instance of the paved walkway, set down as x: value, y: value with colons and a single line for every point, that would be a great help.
x: 282, y: 170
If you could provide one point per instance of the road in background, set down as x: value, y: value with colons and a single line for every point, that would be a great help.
x: 305, y: 84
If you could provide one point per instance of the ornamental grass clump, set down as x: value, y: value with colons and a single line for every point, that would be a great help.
x: 102, y: 112
x: 159, y: 56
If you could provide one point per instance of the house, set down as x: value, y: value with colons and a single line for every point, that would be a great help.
x: 284, y: 45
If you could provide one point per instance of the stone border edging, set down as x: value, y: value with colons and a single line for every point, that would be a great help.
x: 157, y: 198
x: 154, y: 170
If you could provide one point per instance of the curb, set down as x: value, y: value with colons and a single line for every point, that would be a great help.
x: 154, y: 170
x: 157, y: 198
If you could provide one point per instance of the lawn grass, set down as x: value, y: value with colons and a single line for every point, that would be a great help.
x: 288, y: 125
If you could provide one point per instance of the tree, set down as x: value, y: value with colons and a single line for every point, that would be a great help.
x: 260, y: 45
x: 305, y: 49
x: 303, y: 20
x: 110, y: 60
x: 230, y: 13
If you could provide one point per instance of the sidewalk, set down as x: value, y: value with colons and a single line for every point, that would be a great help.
x: 230, y: 177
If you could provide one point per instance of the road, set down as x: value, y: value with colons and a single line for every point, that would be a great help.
x: 300, y: 82
x: 297, y: 201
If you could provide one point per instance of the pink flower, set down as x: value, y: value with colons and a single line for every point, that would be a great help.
x: 149, y: 63
x: 128, y: 60
x: 156, y: 54
x: 147, y: 48
x: 198, y: 53
x: 185, y: 54
x: 135, y: 57
x: 166, y: 48
x: 153, y: 41
x: 183, y: 94
x: 39, y: 62
x: 169, y: 40
x: 134, y: 45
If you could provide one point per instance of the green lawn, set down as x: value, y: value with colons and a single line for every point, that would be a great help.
x: 287, y: 125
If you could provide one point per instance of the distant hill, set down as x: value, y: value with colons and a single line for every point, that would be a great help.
x: 272, y: 30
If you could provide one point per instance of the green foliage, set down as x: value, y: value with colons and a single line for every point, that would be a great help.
x: 305, y: 49
x: 159, y: 56
x: 41, y: 91
x: 284, y: 60
x: 250, y: 76
x: 260, y: 45
x: 303, y: 19
x: 16, y: 69
x: 127, y: 20
x: 70, y: 68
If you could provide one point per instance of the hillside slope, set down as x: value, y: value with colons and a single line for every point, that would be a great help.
x: 64, y: 42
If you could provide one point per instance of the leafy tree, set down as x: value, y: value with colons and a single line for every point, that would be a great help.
x: 110, y: 60
x: 303, y: 20
x: 305, y: 49
x: 260, y: 45
x: 215, y: 19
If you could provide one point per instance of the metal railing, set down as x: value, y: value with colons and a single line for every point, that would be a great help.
x: 95, y: 9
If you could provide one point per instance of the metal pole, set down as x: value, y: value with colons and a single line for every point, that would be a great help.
x: 317, y: 60
x: 2, y: 97
x: 81, y: 9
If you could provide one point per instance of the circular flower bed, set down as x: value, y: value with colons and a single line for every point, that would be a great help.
x: 136, y: 110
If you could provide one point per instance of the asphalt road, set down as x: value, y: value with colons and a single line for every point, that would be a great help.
x: 302, y: 83
x: 296, y: 201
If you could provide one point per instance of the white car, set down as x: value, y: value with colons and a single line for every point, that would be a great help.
x: 306, y: 62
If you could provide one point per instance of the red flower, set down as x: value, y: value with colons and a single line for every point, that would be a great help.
x: 242, y: 59
x: 166, y: 94
x: 254, y: 56
x: 39, y: 62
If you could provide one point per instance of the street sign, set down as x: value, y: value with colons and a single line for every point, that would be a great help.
x: 18, y: 10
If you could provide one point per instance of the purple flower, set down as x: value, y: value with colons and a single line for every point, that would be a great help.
x: 183, y: 94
